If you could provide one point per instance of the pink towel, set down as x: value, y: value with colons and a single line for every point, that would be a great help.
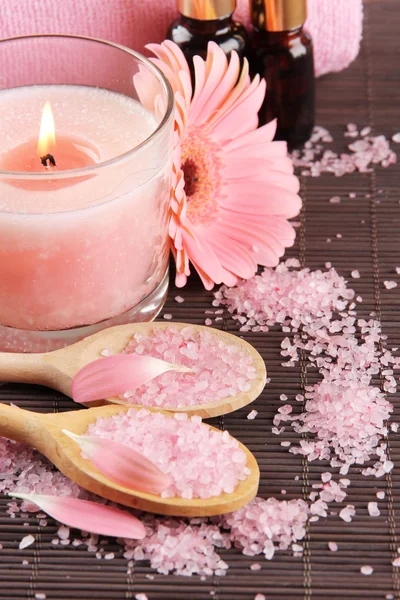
x: 336, y: 25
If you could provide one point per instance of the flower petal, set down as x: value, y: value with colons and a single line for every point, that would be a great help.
x: 254, y: 198
x: 113, y: 375
x: 121, y: 464
x: 88, y: 516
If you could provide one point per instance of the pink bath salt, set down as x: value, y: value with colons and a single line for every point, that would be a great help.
x: 366, y: 570
x: 380, y: 495
x: 40, y: 596
x: 167, y: 316
x: 335, y: 200
x: 179, y: 299
x: 396, y: 138
x: 208, y: 322
x: 366, y: 152
x: 141, y: 596
x: 26, y: 541
x: 389, y: 285
x: 373, y: 509
x: 252, y: 415
x: 326, y: 477
x: 63, y: 532
x: 388, y: 466
x: 355, y: 274
x: 347, y: 513
x: 396, y: 562
x: 220, y: 370
x: 255, y: 567
x: 260, y: 597
x: 264, y: 526
x: 109, y: 556
x: 333, y: 547
x: 201, y: 462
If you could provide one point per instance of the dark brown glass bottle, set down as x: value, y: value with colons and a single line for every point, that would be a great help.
x: 202, y: 21
x: 282, y: 52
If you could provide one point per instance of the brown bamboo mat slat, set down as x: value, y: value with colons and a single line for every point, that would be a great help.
x: 367, y: 94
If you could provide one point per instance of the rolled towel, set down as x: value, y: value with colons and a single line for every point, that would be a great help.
x: 336, y: 25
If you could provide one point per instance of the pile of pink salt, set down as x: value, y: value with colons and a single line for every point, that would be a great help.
x: 345, y: 415
x: 365, y: 152
x: 219, y: 369
x: 201, y: 462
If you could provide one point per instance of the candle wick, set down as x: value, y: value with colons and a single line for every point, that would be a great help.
x: 48, y: 160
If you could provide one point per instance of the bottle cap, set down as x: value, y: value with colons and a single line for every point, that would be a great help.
x: 278, y: 15
x: 206, y: 10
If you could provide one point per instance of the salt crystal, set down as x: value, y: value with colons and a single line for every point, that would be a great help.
x: 396, y: 562
x: 40, y: 596
x: 347, y: 513
x: 141, y: 596
x: 339, y: 235
x: 332, y: 546
x: 106, y: 352
x: 109, y: 556
x: 285, y: 444
x: 63, y: 532
x: 366, y: 570
x: 208, y: 322
x: 396, y: 138
x: 326, y: 477
x: 252, y: 415
x: 389, y: 285
x: 352, y: 195
x: 283, y: 397
x: 355, y: 274
x: 26, y: 541
x: 394, y: 427
x: 167, y: 316
x: 380, y: 495
x: 388, y: 466
x: 260, y: 597
x: 335, y: 200
x: 373, y: 509
x: 25, y: 562
x: 179, y: 299
x: 255, y: 567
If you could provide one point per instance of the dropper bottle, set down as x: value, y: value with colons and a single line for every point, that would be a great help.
x: 282, y: 52
x: 202, y: 21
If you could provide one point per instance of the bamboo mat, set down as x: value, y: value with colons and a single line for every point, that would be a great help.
x: 367, y: 94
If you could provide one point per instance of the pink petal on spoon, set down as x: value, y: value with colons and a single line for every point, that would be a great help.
x: 122, y: 464
x: 113, y: 375
x: 88, y: 516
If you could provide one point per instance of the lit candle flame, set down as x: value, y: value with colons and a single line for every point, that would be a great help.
x: 47, y: 135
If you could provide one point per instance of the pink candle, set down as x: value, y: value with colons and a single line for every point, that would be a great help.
x: 80, y: 241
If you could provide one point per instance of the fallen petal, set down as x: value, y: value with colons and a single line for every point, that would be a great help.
x: 112, y: 375
x: 122, y: 464
x: 88, y: 516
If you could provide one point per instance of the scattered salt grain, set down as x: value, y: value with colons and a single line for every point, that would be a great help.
x: 216, y: 464
x: 219, y: 369
x: 286, y: 444
x: 366, y: 570
x: 339, y: 236
x: 109, y: 556
x: 373, y: 509
x: 25, y: 562
x: 106, y: 352
x: 179, y: 299
x: 141, y: 596
x: 396, y: 562
x: 40, y: 596
x: 26, y: 541
x: 63, y: 532
x: 355, y: 274
x: 335, y: 200
x: 388, y: 466
x: 208, y: 322
x: 167, y: 316
x: 394, y: 427
x: 380, y: 495
x: 255, y: 567
x: 332, y: 546
x: 396, y: 138
x: 252, y: 415
x: 389, y: 285
x: 347, y: 513
x: 260, y: 597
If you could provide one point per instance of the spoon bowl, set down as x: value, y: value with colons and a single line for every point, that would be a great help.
x: 57, y: 369
x: 44, y: 432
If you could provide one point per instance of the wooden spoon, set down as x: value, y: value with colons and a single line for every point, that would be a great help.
x: 44, y: 432
x: 56, y: 369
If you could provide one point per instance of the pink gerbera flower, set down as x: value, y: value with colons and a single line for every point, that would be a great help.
x: 233, y: 188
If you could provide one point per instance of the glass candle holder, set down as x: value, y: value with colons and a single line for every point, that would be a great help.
x: 84, y: 241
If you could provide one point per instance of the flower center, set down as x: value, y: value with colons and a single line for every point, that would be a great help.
x: 201, y: 166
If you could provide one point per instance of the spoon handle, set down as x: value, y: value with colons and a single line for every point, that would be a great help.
x: 20, y: 425
x: 32, y: 368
